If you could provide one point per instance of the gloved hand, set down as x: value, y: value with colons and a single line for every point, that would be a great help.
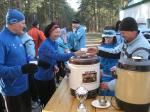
x: 43, y: 64
x: 29, y: 68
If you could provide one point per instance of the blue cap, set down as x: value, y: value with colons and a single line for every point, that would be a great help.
x: 14, y: 16
x: 108, y: 33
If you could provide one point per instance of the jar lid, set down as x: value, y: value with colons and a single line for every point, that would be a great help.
x: 84, y: 60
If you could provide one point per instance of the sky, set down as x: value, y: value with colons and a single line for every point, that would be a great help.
x: 73, y: 4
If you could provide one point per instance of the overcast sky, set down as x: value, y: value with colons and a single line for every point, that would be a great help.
x: 73, y: 4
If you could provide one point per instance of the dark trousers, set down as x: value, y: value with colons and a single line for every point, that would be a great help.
x: 20, y: 103
x: 61, y: 71
x: 2, y: 104
x: 46, y: 89
x: 33, y: 88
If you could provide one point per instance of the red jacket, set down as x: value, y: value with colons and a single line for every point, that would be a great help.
x: 38, y: 37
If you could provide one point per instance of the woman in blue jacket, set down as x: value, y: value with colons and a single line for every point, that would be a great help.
x: 48, y: 57
x: 108, y: 41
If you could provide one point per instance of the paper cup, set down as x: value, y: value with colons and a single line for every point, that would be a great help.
x: 34, y: 62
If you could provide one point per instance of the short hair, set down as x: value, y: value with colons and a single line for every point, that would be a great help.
x: 35, y: 23
x: 117, y: 25
x: 50, y: 28
x: 76, y: 21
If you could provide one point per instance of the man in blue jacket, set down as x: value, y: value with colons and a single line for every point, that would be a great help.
x: 79, y: 35
x: 13, y: 65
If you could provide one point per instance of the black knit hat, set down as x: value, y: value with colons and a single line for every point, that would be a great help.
x: 128, y: 24
x: 75, y: 21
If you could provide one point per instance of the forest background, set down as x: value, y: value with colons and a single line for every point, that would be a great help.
x: 94, y: 14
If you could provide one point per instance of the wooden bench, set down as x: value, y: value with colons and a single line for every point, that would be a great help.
x: 63, y: 101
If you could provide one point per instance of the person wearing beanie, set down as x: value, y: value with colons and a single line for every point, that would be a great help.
x: 14, y: 16
x: 135, y: 44
x: 133, y: 40
x: 13, y: 65
x: 37, y: 35
x: 108, y: 41
x: 48, y: 57
x: 79, y: 35
x: 128, y: 24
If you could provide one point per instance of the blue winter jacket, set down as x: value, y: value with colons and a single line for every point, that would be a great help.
x: 61, y: 45
x: 12, y: 56
x: 79, y: 40
x: 70, y: 40
x: 107, y: 64
x: 48, y: 52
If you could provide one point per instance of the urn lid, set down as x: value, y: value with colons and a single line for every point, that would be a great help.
x: 135, y: 64
x: 84, y: 60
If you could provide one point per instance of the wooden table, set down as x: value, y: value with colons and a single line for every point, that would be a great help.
x: 63, y: 101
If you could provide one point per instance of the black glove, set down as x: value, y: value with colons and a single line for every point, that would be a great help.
x: 43, y: 64
x: 29, y: 68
